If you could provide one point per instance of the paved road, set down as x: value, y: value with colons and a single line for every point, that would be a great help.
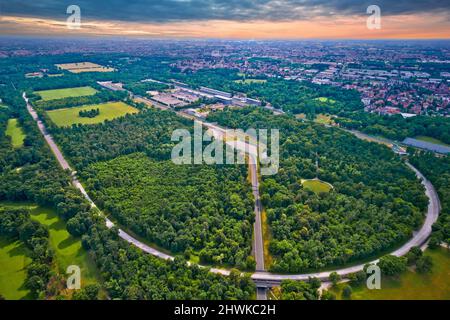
x: 266, y: 279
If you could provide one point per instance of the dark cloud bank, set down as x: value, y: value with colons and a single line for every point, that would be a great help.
x: 234, y: 10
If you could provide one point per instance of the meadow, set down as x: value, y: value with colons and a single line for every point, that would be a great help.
x: 68, y: 249
x: 15, y: 132
x: 65, y: 93
x: 411, y: 285
x: 108, y: 111
x: 316, y: 186
x: 14, y: 258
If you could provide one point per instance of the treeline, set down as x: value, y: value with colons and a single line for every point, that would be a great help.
x: 376, y: 203
x: 203, y: 211
x: 437, y: 170
x: 100, y: 97
x: 16, y: 225
x: 89, y: 113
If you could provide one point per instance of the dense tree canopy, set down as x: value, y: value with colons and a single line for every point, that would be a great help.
x: 376, y: 202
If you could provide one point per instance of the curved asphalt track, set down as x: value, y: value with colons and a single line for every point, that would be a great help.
x: 262, y: 279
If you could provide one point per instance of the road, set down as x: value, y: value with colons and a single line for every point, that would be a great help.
x: 262, y: 278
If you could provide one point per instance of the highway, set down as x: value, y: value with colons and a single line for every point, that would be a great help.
x: 262, y: 278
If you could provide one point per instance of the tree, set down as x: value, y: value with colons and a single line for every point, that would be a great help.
x: 392, y: 265
x: 347, y: 292
x: 424, y: 264
x: 335, y: 278
x: 413, y: 255
x: 328, y: 295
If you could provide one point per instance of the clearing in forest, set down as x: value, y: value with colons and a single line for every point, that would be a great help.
x: 65, y: 93
x: 108, y: 111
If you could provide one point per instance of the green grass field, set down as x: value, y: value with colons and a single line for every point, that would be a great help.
x: 68, y: 249
x: 66, y: 93
x: 323, y: 99
x: 15, y: 132
x: 14, y: 258
x: 431, y: 140
x: 323, y: 119
x: 411, y: 285
x: 316, y: 186
x: 108, y: 111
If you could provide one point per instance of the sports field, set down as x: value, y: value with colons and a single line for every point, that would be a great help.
x: 80, y: 67
x: 108, y: 111
x: 316, y: 186
x: 66, y: 93
x: 15, y: 132
x: 14, y: 258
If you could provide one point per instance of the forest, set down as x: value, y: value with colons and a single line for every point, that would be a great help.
x: 375, y: 205
x: 127, y: 272
x: 437, y: 170
x: 200, y: 210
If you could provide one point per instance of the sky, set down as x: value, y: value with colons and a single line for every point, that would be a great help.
x: 229, y: 19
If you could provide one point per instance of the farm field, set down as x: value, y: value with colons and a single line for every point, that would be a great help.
x: 316, y: 186
x: 65, y: 93
x: 13, y: 261
x: 431, y: 140
x: 108, y: 111
x: 84, y: 67
x: 68, y: 249
x: 411, y: 285
x: 15, y: 132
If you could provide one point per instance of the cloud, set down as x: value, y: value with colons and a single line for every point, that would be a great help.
x: 164, y: 11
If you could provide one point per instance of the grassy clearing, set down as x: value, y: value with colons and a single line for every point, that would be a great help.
x: 431, y: 140
x: 267, y: 238
x: 326, y: 100
x: 68, y: 249
x: 108, y: 111
x: 316, y: 186
x: 411, y: 285
x: 14, y: 258
x: 66, y: 93
x: 323, y: 119
x: 15, y: 132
